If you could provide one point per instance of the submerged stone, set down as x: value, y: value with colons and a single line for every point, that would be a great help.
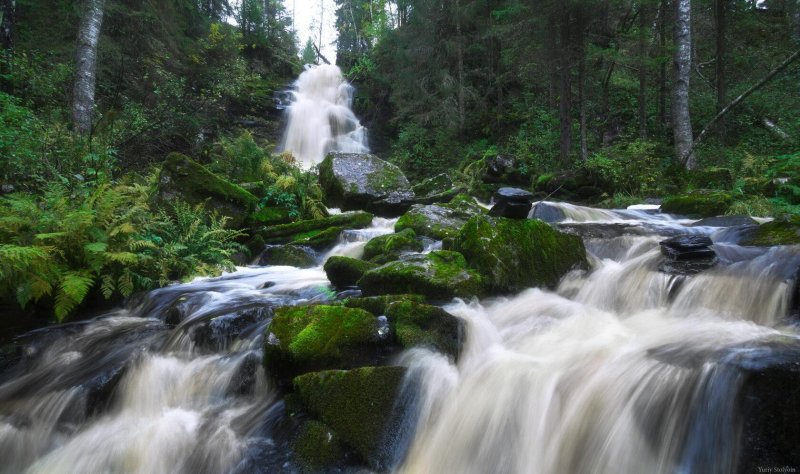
x: 548, y: 212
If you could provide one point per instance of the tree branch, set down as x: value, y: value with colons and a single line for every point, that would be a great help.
x: 319, y: 53
x: 739, y: 99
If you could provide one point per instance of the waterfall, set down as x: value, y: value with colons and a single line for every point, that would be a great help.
x: 320, y: 119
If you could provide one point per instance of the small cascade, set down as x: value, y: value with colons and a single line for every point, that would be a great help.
x: 319, y: 117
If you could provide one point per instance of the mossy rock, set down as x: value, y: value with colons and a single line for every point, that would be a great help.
x: 417, y: 324
x: 318, y: 447
x: 255, y: 245
x: 184, y: 179
x: 778, y: 232
x: 513, y: 254
x: 291, y: 255
x: 436, y: 189
x: 439, y: 221
x: 316, y: 233
x: 307, y: 338
x: 346, y: 271
x: 378, y: 305
x: 699, y: 204
x: 361, y: 406
x: 270, y: 216
x: 364, y: 181
x: 439, y: 275
x: 386, y: 248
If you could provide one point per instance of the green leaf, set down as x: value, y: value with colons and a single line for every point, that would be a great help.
x: 96, y: 247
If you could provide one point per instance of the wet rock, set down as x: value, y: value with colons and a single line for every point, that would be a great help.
x: 725, y: 221
x: 700, y: 203
x: 513, y: 203
x: 315, y: 233
x: 513, y: 254
x: 378, y: 305
x: 360, y: 406
x: 292, y: 255
x: 548, y: 212
x: 419, y: 325
x: 346, y: 271
x: 100, y: 389
x: 318, y: 448
x: 385, y: 248
x: 436, y: 189
x: 439, y: 221
x: 439, y: 275
x: 302, y: 339
x: 218, y: 332
x: 778, y: 232
x: 243, y: 382
x: 687, y: 255
x: 364, y: 181
x: 185, y: 180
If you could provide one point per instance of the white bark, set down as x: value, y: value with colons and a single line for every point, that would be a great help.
x: 86, y: 67
x: 682, y: 62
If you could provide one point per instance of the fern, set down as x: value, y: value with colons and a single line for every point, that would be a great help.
x: 72, y: 290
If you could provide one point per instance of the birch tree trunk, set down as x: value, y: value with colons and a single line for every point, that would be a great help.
x: 682, y: 63
x: 86, y: 67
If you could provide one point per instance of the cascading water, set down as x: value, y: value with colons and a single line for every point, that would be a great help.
x: 622, y: 369
x: 320, y: 119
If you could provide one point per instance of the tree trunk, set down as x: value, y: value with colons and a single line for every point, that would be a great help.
x: 682, y: 62
x: 460, y: 59
x: 662, y: 73
x: 8, y: 10
x: 85, y: 69
x: 565, y: 95
x: 643, y: 50
x: 720, y: 11
x: 552, y: 47
x: 581, y: 52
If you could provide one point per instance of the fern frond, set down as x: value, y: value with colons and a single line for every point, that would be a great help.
x: 72, y: 289
x: 107, y: 286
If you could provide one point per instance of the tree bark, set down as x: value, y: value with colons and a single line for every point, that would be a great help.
x: 86, y: 67
x: 682, y: 64
x: 662, y: 73
x: 460, y: 59
x: 643, y: 50
x: 720, y: 13
x: 565, y: 95
x: 8, y: 9
x: 581, y: 52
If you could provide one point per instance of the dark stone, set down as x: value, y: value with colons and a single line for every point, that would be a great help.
x: 548, y: 212
x: 346, y: 271
x: 725, y: 221
x: 292, y: 255
x: 513, y: 203
x: 364, y: 181
x: 687, y: 247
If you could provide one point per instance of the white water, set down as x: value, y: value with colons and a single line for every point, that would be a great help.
x: 622, y: 369
x: 320, y: 119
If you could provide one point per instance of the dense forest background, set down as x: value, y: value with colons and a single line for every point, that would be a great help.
x: 608, y: 102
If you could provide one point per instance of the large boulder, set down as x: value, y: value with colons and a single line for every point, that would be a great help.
x: 346, y: 271
x: 777, y: 232
x: 317, y: 447
x: 315, y: 233
x: 439, y: 221
x: 386, y: 248
x: 361, y: 406
x: 364, y: 181
x: 186, y: 180
x: 421, y: 325
x: 307, y: 338
x: 292, y: 255
x: 438, y: 188
x: 513, y: 254
x: 378, y: 305
x: 699, y: 203
x: 439, y: 275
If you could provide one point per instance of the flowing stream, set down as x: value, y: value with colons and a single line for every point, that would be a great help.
x: 319, y: 117
x: 621, y: 369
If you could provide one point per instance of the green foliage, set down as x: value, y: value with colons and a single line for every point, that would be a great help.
x: 422, y: 153
x: 631, y: 168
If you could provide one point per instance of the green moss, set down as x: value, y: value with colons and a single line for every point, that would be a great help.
x: 701, y: 203
x: 417, y: 324
x: 783, y: 232
x: 386, y: 179
x: 439, y: 275
x: 436, y: 185
x: 317, y: 337
x: 512, y: 254
x: 304, y: 230
x: 378, y: 305
x: 317, y: 447
x: 291, y: 255
x: 385, y: 248
x: 346, y: 271
x: 359, y: 405
x: 439, y: 221
x: 270, y: 216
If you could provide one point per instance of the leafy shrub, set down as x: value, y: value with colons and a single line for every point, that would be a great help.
x: 630, y: 168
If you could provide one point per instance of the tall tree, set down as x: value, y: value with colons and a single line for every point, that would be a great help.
x: 643, y: 59
x: 682, y: 64
x: 8, y: 10
x: 565, y: 93
x: 720, y: 80
x: 86, y: 65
